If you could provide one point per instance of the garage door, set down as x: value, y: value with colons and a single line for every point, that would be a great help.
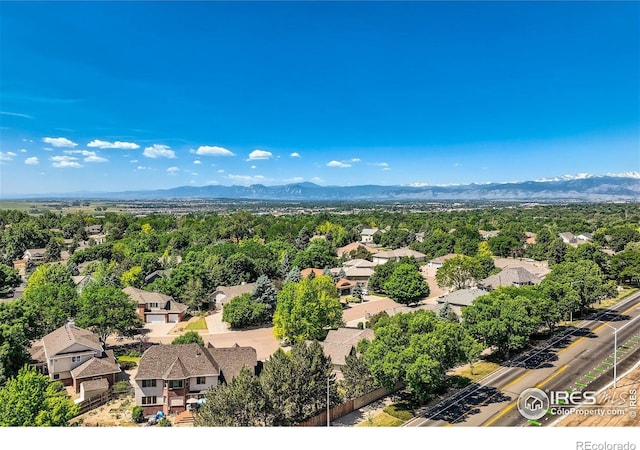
x: 155, y: 318
x: 173, y: 318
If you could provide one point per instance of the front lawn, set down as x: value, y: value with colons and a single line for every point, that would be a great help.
x: 382, y: 419
x: 199, y: 324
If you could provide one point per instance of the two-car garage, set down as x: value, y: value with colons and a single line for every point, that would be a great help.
x: 162, y: 318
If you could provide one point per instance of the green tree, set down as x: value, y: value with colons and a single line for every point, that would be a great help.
x: 9, y: 277
x: 458, y: 272
x: 307, y: 309
x: 190, y: 337
x: 30, y: 399
x: 243, y: 311
x: 265, y: 292
x: 625, y: 267
x: 53, y: 250
x: 358, y: 379
x: 293, y: 276
x: 406, y: 285
x: 133, y: 277
x: 107, y: 310
x: 194, y: 295
x: 240, y: 403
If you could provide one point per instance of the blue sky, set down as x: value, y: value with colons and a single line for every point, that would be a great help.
x: 126, y: 95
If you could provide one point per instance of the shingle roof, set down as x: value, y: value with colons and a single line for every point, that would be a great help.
x: 234, y: 291
x: 399, y: 253
x: 368, y: 231
x: 361, y: 263
x: 232, y: 359
x: 64, y: 337
x: 443, y: 258
x: 304, y: 273
x: 462, y: 297
x: 97, y: 366
x: 510, y: 276
x: 337, y: 352
x: 183, y: 360
x: 95, y: 385
x: 340, y: 343
x: 166, y: 303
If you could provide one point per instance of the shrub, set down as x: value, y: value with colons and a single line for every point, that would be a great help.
x: 134, y: 354
x: 351, y: 299
x: 121, y: 386
x: 126, y: 365
x: 164, y: 422
x: 137, y: 415
x: 399, y: 411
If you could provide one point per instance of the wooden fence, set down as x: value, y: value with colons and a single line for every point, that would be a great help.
x: 345, y: 408
x: 101, y: 399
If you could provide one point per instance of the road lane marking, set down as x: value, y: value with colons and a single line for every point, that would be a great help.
x: 552, y: 376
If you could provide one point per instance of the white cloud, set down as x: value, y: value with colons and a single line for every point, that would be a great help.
x: 209, y: 150
x: 133, y: 161
x: 95, y: 159
x: 253, y: 167
x: 419, y: 184
x: 27, y: 140
x: 195, y: 174
x: 386, y: 168
x: 259, y: 154
x: 159, y: 151
x: 316, y: 179
x: 295, y: 155
x: 143, y: 168
x: 246, y: 179
x: 62, y: 162
x: 15, y: 114
x: 23, y: 150
x: 380, y: 164
x: 173, y: 170
x: 220, y: 170
x: 33, y: 161
x: 355, y: 159
x: 7, y: 156
x: 197, y: 161
x: 340, y: 164
x: 59, y: 142
x: 96, y: 143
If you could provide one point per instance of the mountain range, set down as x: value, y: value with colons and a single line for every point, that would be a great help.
x: 583, y: 187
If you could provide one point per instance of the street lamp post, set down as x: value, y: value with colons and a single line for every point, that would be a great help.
x: 615, y: 352
x: 328, y: 414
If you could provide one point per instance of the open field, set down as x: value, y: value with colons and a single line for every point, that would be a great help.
x: 64, y: 207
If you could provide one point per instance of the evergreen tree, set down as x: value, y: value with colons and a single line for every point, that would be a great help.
x: 293, y: 276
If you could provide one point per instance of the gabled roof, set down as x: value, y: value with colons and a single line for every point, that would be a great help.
x: 359, y: 263
x: 304, y: 273
x: 354, y: 246
x: 176, y: 361
x: 443, y: 258
x: 341, y: 342
x: 567, y: 236
x: 165, y: 302
x: 344, y: 283
x: 97, y: 366
x: 368, y: 231
x: 510, y: 276
x: 101, y: 384
x: 67, y: 335
x: 77, y: 279
x: 234, y: 291
x: 399, y: 253
x: 232, y: 359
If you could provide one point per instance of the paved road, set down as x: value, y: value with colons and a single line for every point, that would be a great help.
x: 562, y: 361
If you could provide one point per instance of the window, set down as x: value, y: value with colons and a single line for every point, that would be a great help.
x: 75, y: 359
x: 56, y: 376
x: 175, y: 384
x: 153, y: 305
x: 149, y: 400
x: 148, y: 383
x: 201, y: 380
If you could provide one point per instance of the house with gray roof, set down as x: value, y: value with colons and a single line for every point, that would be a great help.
x: 366, y: 235
x: 154, y: 307
x: 224, y: 294
x: 396, y: 255
x: 510, y: 276
x: 172, y: 377
x: 568, y: 238
x: 74, y: 356
x: 342, y: 342
x: 461, y: 297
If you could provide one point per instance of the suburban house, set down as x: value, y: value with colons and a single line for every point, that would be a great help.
x: 224, y: 294
x: 76, y: 357
x: 154, y: 307
x: 366, y: 235
x: 99, y: 238
x: 345, y: 286
x: 342, y: 342
x: 358, y: 270
x: 34, y: 254
x: 461, y: 297
x: 568, y: 238
x: 157, y: 274
x: 510, y: 276
x: 486, y: 235
x: 437, y: 262
x: 81, y: 281
x: 353, y: 247
x: 171, y: 377
x: 395, y: 255
x: 584, y: 237
x: 93, y: 229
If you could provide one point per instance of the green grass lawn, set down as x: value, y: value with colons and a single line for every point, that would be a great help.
x: 199, y: 324
x: 382, y: 419
x: 463, y: 377
x: 612, y: 301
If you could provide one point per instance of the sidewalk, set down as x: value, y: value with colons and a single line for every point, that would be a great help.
x: 363, y: 414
